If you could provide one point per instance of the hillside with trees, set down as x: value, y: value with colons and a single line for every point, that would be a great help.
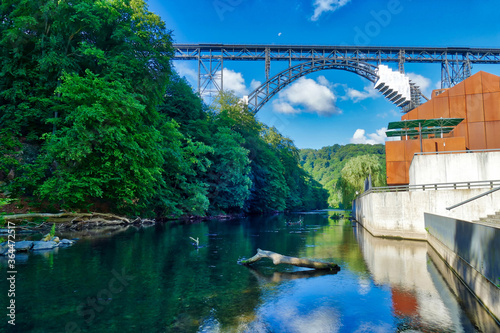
x: 94, y: 117
x: 342, y: 169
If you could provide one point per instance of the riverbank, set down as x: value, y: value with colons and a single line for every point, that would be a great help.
x: 70, y: 221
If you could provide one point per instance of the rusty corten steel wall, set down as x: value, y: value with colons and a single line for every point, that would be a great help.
x: 477, y: 99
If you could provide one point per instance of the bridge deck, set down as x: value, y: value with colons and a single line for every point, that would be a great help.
x: 312, y: 52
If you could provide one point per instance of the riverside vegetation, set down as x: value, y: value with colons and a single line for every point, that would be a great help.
x: 343, y: 169
x: 94, y: 117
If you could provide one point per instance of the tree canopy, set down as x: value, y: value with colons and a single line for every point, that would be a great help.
x: 93, y: 117
x: 327, y: 164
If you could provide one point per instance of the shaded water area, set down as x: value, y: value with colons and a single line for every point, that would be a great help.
x: 154, y: 280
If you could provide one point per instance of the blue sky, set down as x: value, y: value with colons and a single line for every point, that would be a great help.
x: 333, y: 106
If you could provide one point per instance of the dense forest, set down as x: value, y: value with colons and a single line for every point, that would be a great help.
x: 94, y: 117
x: 342, y: 169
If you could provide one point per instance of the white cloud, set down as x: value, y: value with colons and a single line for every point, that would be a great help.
x: 255, y: 84
x: 323, y: 6
x: 306, y: 95
x: 189, y: 73
x: 279, y: 34
x: 234, y: 81
x: 372, y: 138
x: 421, y: 81
x: 324, y: 82
x: 368, y: 92
x: 284, y: 107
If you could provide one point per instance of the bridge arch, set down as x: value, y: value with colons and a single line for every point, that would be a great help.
x: 260, y: 96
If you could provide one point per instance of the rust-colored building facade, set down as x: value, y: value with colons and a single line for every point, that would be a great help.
x: 476, y: 99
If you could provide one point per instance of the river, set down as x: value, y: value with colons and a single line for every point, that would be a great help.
x: 154, y: 280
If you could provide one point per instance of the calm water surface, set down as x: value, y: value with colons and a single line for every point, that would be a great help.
x: 154, y: 280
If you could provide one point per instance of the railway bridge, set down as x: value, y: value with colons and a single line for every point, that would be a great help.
x: 456, y: 65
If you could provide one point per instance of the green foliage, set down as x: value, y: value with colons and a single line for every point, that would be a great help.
x: 278, y: 182
x: 228, y: 178
x: 3, y: 202
x: 180, y: 190
x: 40, y: 40
x: 52, y: 230
x: 103, y: 148
x: 354, y: 173
x: 92, y: 117
x: 326, y: 164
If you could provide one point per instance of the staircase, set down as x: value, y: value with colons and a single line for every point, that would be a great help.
x: 490, y: 220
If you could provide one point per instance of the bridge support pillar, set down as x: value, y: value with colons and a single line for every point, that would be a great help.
x: 210, y: 76
x: 268, y: 62
x: 401, y: 64
x: 455, y: 71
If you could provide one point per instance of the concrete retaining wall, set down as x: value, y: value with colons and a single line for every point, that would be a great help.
x: 470, y: 250
x: 401, y: 214
x: 452, y: 168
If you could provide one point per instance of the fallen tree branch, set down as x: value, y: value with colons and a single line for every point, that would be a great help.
x: 281, y: 259
x: 70, y: 217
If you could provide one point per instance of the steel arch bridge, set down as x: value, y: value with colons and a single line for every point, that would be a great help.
x: 272, y: 86
x: 456, y: 64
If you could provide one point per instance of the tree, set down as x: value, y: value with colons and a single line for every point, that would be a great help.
x: 42, y: 39
x: 103, y: 148
x: 326, y: 164
x: 228, y: 177
x: 86, y: 76
x: 182, y: 190
x: 354, y: 173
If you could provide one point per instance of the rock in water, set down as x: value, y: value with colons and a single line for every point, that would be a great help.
x: 23, y: 246
x: 65, y: 241
x: 41, y: 245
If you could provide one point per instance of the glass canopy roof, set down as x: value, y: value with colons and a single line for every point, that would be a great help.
x: 427, y: 126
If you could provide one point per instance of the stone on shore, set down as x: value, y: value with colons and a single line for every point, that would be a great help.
x: 23, y: 246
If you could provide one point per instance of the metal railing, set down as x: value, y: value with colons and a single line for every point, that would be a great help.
x: 456, y: 151
x: 473, y: 198
x: 436, y: 186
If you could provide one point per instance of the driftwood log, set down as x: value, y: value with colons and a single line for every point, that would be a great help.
x: 281, y: 259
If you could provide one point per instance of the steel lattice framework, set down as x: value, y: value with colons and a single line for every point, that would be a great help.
x: 456, y: 63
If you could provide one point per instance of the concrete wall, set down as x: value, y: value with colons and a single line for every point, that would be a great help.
x: 401, y: 214
x: 450, y: 168
x: 470, y: 249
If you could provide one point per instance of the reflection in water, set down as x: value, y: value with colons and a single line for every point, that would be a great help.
x: 287, y: 276
x: 383, y: 286
x: 416, y: 300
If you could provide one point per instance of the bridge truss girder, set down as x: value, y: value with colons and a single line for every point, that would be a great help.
x: 456, y: 63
